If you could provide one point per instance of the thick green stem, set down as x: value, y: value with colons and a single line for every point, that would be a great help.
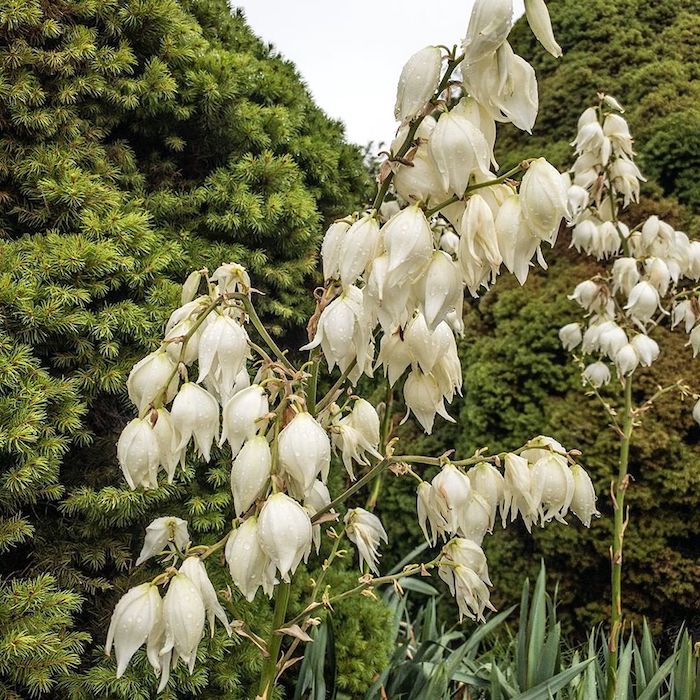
x: 619, y: 490
x: 269, y: 670
x: 384, y: 435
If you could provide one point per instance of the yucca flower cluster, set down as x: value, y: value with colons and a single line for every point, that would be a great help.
x: 395, y: 276
x: 653, y: 271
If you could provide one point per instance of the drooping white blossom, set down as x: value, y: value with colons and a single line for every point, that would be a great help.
x: 418, y: 82
x: 152, y: 378
x: 304, y: 451
x: 250, y: 473
x: 366, y: 532
x: 248, y: 564
x: 196, y: 572
x: 584, y: 498
x: 241, y: 416
x: 168, y: 531
x: 195, y: 414
x: 541, y: 25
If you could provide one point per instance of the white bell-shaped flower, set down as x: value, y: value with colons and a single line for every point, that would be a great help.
x: 195, y: 414
x: 468, y: 589
x: 304, y: 451
x: 541, y: 25
x: 134, y: 620
x: 478, y: 242
x: 250, y: 473
x: 424, y: 399
x: 344, y: 332
x: 194, y: 569
x: 139, y: 454
x: 364, y: 417
x: 231, y: 278
x: 366, y: 532
x: 164, y: 532
x: 626, y: 360
x: 241, y: 416
x: 611, y: 338
x: 190, y: 287
x: 570, y: 335
x: 658, y: 274
x: 430, y: 518
x: 584, y: 498
x: 468, y: 553
x: 625, y: 179
x: 475, y: 518
x: 597, y: 374
x: 152, y: 378
x: 420, y: 343
x: 590, y: 295
x: 285, y: 534
x: 247, y: 562
x: 617, y: 130
x: 518, y: 491
x: 420, y: 181
x: 647, y: 349
x: 184, y: 615
x: 696, y: 412
x: 459, y: 149
x: 394, y: 355
x: 488, y: 482
x: 489, y: 25
x: 358, y: 247
x: 168, y: 442
x: 625, y: 275
x: 181, y: 323
x: 577, y: 199
x: 223, y: 350
x: 418, y: 82
x: 449, y: 242
x: 590, y: 136
x: 408, y: 241
x: 554, y: 486
x: 643, y: 302
x: 516, y: 243
x: 685, y: 312
x: 331, y: 247
x: 451, y: 490
x: 543, y: 199
x: 383, y: 302
x: 440, y: 289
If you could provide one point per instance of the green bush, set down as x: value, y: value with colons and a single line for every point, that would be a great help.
x: 138, y: 139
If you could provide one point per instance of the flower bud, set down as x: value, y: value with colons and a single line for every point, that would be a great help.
x: 250, y: 473
x: 541, y: 26
x: 570, y: 335
x: 190, y: 287
x: 241, y: 415
x: 247, y: 562
x: 418, y: 82
x: 584, y: 498
x: 195, y: 414
x: 196, y: 572
x: 168, y: 531
x: 134, y: 620
x: 489, y: 25
x: 284, y: 530
x: 597, y: 374
x: 543, y: 199
x: 304, y: 451
x: 365, y: 419
x: 183, y: 614
x: 365, y: 530
x: 151, y: 378
x: 459, y: 149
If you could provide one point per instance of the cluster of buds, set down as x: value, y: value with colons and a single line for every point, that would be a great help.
x: 451, y: 224
x: 655, y: 269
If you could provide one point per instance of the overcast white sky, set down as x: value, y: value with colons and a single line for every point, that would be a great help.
x: 350, y: 54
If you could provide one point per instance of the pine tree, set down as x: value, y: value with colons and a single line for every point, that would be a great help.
x: 138, y: 139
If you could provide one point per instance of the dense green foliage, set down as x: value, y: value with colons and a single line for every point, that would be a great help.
x: 518, y: 380
x: 138, y: 139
